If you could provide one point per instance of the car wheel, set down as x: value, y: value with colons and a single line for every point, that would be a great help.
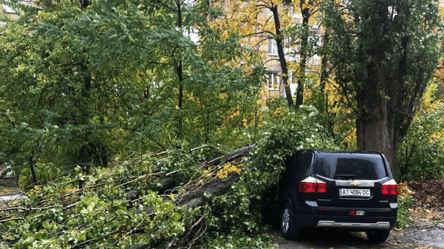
x: 378, y: 236
x: 288, y: 229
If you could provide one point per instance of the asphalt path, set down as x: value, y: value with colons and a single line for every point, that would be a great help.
x: 327, y: 238
x: 419, y: 235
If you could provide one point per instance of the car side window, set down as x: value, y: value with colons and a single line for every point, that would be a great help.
x: 302, y: 163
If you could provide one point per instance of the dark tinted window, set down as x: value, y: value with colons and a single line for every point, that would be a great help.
x: 303, y: 163
x: 347, y: 166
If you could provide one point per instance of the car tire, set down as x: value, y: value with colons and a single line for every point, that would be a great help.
x: 288, y: 229
x: 378, y: 236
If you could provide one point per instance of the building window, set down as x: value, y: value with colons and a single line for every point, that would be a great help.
x: 273, y: 81
x: 272, y: 47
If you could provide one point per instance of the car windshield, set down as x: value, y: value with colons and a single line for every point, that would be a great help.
x: 350, y: 166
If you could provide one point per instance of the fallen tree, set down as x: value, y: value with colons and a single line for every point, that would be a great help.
x: 173, y: 199
x: 125, y: 192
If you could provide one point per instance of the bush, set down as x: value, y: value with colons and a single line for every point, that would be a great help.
x: 404, y: 203
x: 420, y: 153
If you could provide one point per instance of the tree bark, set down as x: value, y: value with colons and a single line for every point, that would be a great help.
x: 375, y: 123
x: 179, y: 71
x: 196, y: 197
x: 31, y: 165
x: 280, y: 48
x: 375, y: 127
x: 303, y: 54
x: 324, y: 76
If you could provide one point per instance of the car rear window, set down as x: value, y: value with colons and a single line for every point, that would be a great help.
x: 346, y: 166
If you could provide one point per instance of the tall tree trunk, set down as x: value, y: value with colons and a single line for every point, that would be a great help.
x: 376, y: 123
x: 180, y: 100
x: 303, y: 54
x: 324, y: 76
x: 281, y: 54
x: 86, y: 152
x: 179, y: 71
x: 375, y: 128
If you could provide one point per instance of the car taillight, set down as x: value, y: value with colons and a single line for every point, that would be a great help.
x: 389, y: 188
x: 312, y: 185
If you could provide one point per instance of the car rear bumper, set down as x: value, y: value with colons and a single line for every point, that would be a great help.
x: 339, y: 217
x: 345, y: 222
x: 354, y: 225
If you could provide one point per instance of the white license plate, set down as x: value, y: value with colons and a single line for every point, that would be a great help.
x: 354, y: 192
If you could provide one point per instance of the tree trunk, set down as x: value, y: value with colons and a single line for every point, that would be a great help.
x: 324, y: 77
x: 303, y: 54
x: 281, y: 54
x: 179, y: 71
x: 375, y: 131
x: 376, y: 123
x: 31, y: 165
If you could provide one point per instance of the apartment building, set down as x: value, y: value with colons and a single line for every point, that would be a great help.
x: 275, y: 86
x: 254, y: 17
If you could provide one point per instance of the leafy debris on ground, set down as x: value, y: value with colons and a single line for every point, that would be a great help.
x: 428, y: 194
x: 9, y: 191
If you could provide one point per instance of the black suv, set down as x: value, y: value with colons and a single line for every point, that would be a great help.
x: 354, y: 191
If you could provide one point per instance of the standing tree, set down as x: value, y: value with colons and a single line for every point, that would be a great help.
x: 308, y: 10
x: 273, y: 7
x: 384, y: 53
x: 262, y: 21
x: 84, y: 82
